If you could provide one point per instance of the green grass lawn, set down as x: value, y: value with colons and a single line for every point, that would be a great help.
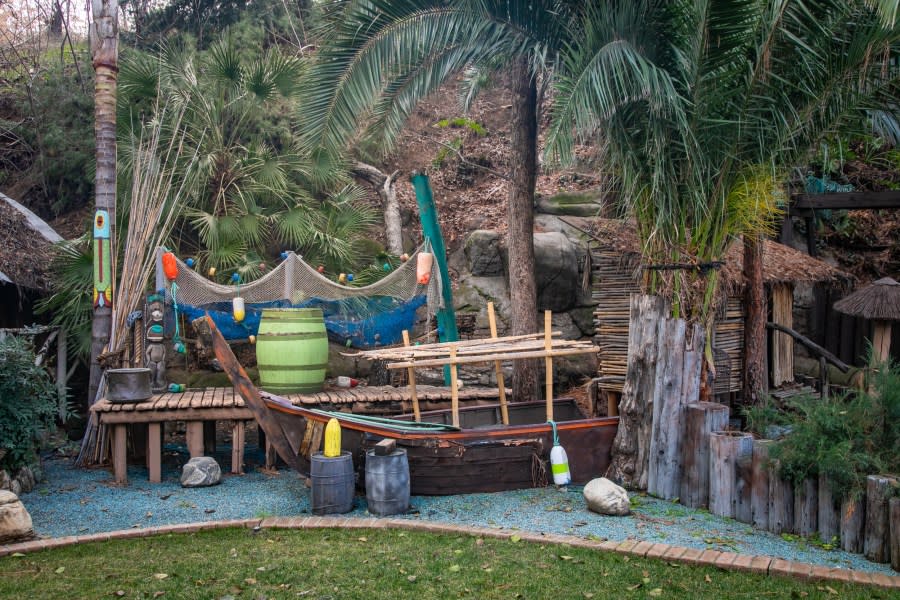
x: 373, y: 564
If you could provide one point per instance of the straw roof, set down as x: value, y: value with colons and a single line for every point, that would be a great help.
x: 877, y: 301
x: 25, y: 246
x: 781, y: 264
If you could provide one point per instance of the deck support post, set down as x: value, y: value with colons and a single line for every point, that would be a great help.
x: 120, y: 452
x: 194, y: 438
x: 154, y: 452
x: 237, y: 447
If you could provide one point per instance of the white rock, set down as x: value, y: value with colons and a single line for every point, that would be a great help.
x: 605, y: 497
x: 15, y: 522
x: 202, y: 471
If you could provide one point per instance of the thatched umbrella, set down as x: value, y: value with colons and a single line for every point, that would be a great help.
x: 879, y: 302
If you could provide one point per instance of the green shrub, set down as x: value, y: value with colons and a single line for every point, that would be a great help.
x: 844, y: 438
x: 27, y: 403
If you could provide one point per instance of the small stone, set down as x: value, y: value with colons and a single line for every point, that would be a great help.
x: 605, y: 497
x: 202, y: 471
x: 15, y: 522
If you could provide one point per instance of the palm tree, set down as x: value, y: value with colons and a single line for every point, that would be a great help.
x: 252, y: 190
x: 703, y: 107
x: 105, y: 55
x: 381, y: 57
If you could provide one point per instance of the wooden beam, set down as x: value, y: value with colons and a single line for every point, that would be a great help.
x: 811, y: 345
x: 412, y: 382
x: 467, y: 360
x: 548, y: 364
x: 845, y: 200
x: 498, y: 367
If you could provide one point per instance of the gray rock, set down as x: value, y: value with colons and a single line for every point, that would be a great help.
x: 473, y: 295
x: 4, y: 480
x: 556, y: 271
x: 583, y: 317
x: 26, y: 479
x: 202, y: 471
x: 562, y: 322
x: 605, y: 497
x: 482, y: 251
x: 575, y: 369
x: 15, y: 522
x: 15, y: 487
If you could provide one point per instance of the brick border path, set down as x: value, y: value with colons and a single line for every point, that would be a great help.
x: 730, y: 561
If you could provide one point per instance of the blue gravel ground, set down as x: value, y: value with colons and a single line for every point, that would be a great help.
x: 80, y: 501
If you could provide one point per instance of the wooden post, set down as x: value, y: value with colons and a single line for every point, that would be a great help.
x: 154, y: 452
x: 853, y: 512
x: 194, y: 438
x: 498, y: 367
x: 61, y: 373
x: 743, y: 481
x: 411, y: 373
x: 726, y: 450
x: 759, y: 487
x: 548, y: 363
x: 894, y: 518
x: 879, y: 489
x: 829, y: 512
x: 454, y: 392
x: 781, y: 502
x: 612, y: 404
x: 120, y: 452
x: 881, y: 341
x: 806, y: 507
x: 237, y: 447
x: 701, y: 419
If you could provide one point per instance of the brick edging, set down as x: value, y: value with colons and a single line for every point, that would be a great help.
x: 729, y: 561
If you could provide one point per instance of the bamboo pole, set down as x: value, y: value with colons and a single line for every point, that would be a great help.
x: 548, y: 363
x: 501, y: 384
x: 464, y: 360
x: 454, y: 392
x: 412, y: 382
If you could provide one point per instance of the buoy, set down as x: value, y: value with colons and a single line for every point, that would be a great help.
x: 211, y: 272
x: 252, y: 339
x: 170, y: 266
x: 342, y: 278
x: 283, y: 254
x: 179, y: 347
x: 349, y: 276
x: 190, y: 263
x: 262, y: 266
x: 236, y: 277
x: 176, y: 387
x: 423, y: 267
x: 332, y: 439
x: 386, y: 266
x: 346, y: 382
x: 237, y: 307
x: 321, y: 269
x: 349, y: 342
x: 559, y: 462
x: 404, y: 257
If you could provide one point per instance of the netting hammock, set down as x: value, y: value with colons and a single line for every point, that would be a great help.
x: 362, y: 317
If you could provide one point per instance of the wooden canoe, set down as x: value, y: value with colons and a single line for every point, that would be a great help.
x: 478, y: 456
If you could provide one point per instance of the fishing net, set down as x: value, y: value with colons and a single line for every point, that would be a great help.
x: 363, y: 317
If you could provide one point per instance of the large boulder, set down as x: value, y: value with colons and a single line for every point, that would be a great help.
x: 472, y: 296
x: 555, y: 271
x: 605, y: 497
x: 15, y: 522
x: 202, y: 471
x: 482, y: 251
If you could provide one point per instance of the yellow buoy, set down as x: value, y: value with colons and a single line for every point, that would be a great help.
x: 332, y: 439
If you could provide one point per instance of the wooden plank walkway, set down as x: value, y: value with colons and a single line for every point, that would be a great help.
x: 204, y: 405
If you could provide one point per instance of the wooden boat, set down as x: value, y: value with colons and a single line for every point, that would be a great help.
x: 479, y: 455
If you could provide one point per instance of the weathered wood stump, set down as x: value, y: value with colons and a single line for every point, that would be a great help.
x: 677, y: 383
x: 727, y: 451
x: 806, y: 507
x: 759, y: 487
x: 879, y: 489
x: 829, y: 512
x: 701, y: 419
x: 781, y: 502
x: 853, y: 512
x: 894, y: 514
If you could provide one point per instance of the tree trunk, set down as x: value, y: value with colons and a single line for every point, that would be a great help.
x: 104, y: 51
x: 520, y: 215
x: 390, y: 206
x: 755, y: 380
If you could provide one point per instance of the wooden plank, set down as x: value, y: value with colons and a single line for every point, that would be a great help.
x: 894, y: 517
x: 217, y: 414
x: 781, y: 502
x: 759, y: 487
x: 237, y: 447
x: 726, y: 489
x: 465, y: 360
x: 701, y: 419
x: 802, y: 203
x: 806, y: 507
x: 829, y: 519
x: 852, y: 524
x: 548, y: 364
x: 454, y: 389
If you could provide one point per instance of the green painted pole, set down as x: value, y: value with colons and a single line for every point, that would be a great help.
x: 446, y: 319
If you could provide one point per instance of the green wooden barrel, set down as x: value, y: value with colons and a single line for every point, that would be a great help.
x: 292, y: 350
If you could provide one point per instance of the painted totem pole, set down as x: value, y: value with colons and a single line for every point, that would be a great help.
x: 103, y: 285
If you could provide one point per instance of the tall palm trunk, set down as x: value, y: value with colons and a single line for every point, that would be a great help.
x: 755, y: 376
x: 105, y: 55
x: 520, y: 214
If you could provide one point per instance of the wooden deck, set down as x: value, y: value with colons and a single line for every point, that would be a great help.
x: 201, y: 408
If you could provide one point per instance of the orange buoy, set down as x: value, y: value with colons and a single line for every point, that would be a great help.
x: 170, y: 266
